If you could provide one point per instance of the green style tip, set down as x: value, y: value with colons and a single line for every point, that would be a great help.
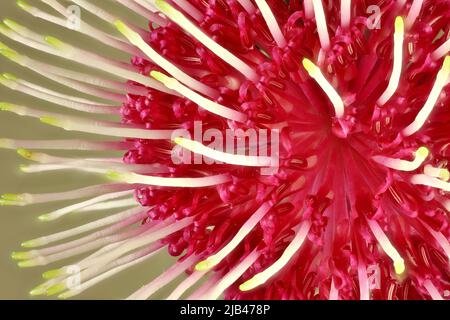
x: 12, y: 24
x: 204, y: 265
x: 11, y: 197
x: 116, y: 175
x: 7, y: 203
x: 57, y: 288
x: 20, y: 255
x: 39, y: 290
x: 50, y: 121
x: 4, y: 46
x: 162, y: 5
x: 9, y: 76
x: 4, y: 28
x: 25, y: 153
x: 3, y: 80
x: 4, y: 106
x: 159, y: 76
x: 9, y: 54
x: 27, y: 264
x: 54, y: 42
x: 51, y: 274
x: 30, y: 244
x: 121, y: 26
x: 23, y: 5
x: 11, y: 200
x: 65, y: 295
x: 24, y: 168
x: 45, y: 217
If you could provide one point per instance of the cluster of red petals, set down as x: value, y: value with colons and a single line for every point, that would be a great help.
x: 345, y: 187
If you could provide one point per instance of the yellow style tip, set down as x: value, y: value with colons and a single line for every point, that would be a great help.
x: 399, y: 25
x: 162, y: 5
x: 204, y: 265
x: 161, y: 77
x: 309, y: 66
x: 178, y: 140
x: 444, y: 175
x: 423, y: 152
x: 248, y: 285
x: 121, y: 26
x: 164, y: 79
x: 399, y: 267
x: 446, y: 64
x: 118, y: 23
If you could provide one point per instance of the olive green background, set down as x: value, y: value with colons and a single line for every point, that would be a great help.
x: 18, y: 224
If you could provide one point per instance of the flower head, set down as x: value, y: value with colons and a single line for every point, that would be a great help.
x: 355, y: 96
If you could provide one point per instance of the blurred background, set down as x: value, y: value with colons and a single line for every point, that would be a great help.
x: 19, y: 224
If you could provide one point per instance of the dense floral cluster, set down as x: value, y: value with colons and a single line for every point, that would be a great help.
x: 345, y: 187
x: 359, y: 205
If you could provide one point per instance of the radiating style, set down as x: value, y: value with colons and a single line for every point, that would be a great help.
x: 358, y: 206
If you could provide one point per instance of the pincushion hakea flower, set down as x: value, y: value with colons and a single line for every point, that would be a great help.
x: 358, y: 207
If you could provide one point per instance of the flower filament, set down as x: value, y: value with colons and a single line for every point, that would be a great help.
x: 388, y: 248
x: 398, y: 61
x: 332, y: 94
x: 248, y: 226
x: 287, y: 255
x: 403, y: 165
x: 424, y: 113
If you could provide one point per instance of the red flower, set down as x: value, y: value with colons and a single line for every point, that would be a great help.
x: 358, y: 205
